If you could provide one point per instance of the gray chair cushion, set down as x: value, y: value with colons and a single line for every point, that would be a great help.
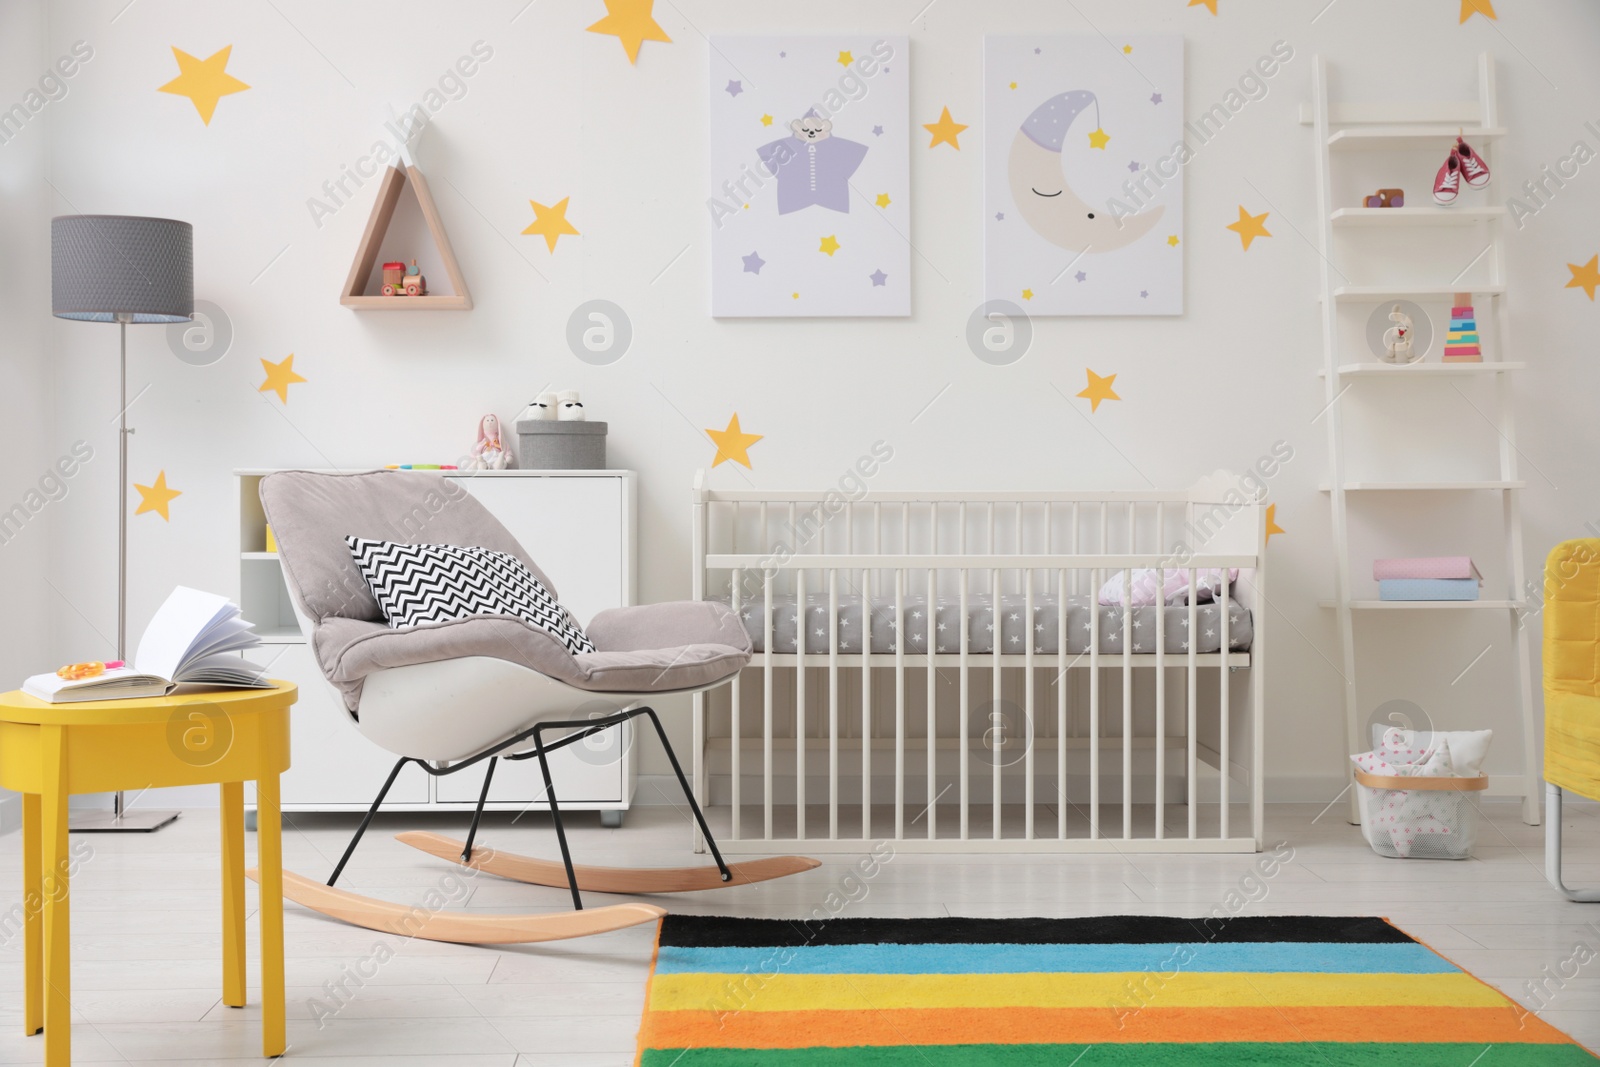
x: 647, y: 649
x: 350, y: 649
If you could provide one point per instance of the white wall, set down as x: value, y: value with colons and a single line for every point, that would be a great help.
x: 557, y: 112
x: 29, y: 433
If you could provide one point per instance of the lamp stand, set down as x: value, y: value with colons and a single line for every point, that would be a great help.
x: 120, y: 820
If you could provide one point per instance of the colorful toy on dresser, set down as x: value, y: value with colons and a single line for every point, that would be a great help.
x: 1428, y: 578
x: 1461, y: 344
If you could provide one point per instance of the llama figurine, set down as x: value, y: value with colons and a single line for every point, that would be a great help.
x: 1397, y: 338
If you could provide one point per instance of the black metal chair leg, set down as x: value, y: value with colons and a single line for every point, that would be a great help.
x: 688, y: 793
x: 477, y: 813
x: 555, y: 811
x: 356, y: 840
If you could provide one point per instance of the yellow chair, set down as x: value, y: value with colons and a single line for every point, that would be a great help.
x: 1571, y: 691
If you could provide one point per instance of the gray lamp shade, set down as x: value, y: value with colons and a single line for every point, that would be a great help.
x: 121, y: 268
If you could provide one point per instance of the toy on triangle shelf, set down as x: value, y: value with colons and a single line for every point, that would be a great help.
x: 1461, y: 343
x: 400, y: 280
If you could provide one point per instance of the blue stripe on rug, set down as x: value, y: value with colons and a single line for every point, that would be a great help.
x: 1258, y: 957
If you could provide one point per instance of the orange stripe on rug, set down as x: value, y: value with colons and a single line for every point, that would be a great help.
x: 976, y: 1026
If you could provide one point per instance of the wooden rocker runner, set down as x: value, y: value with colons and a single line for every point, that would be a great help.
x: 449, y: 696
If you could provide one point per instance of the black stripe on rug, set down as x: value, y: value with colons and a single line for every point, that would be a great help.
x: 712, y: 931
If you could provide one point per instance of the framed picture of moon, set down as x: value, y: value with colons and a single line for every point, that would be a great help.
x: 1083, y: 189
x: 809, y: 192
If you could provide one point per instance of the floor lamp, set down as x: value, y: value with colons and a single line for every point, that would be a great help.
x: 122, y: 269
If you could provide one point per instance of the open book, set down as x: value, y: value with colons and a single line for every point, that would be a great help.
x: 194, y: 638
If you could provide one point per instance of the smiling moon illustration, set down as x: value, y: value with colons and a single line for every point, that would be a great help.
x: 1039, y: 185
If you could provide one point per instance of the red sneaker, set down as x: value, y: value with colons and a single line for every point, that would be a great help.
x: 1473, y: 168
x: 1447, y: 183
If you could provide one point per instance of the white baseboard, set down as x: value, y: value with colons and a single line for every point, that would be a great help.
x: 10, y: 812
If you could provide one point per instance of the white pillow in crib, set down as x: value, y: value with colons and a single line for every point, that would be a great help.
x: 1173, y: 583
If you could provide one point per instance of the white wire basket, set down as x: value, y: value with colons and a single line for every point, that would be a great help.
x: 1419, y: 818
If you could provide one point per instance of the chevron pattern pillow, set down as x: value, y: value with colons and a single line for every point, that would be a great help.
x: 418, y: 584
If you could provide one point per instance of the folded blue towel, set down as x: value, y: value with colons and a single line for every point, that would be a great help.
x: 1428, y: 589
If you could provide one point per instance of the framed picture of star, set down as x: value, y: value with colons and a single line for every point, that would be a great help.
x: 809, y: 191
x: 1084, y: 153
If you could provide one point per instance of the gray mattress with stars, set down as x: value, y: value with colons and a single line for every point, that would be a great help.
x: 1014, y: 627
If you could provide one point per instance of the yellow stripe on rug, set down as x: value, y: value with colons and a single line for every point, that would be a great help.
x: 855, y: 992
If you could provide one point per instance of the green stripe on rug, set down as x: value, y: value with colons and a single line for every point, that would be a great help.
x: 1220, y: 1054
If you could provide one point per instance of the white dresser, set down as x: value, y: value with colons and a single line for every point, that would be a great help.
x: 579, y: 527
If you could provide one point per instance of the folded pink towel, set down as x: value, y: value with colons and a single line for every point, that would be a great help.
x: 1426, y: 567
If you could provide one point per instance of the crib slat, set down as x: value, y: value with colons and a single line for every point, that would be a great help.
x: 1127, y: 697
x: 1161, y: 687
x: 1191, y: 630
x: 995, y: 712
x: 801, y: 622
x: 1094, y: 692
x: 733, y: 697
x: 933, y: 693
x: 866, y: 699
x: 1028, y: 732
x: 965, y: 702
x: 833, y: 704
x: 1223, y: 671
x: 899, y: 705
x: 1017, y: 517
x: 766, y: 695
x: 1062, y: 681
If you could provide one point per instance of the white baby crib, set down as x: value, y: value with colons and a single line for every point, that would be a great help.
x: 1073, y: 738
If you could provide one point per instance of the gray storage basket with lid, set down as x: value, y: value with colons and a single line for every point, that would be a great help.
x: 546, y: 445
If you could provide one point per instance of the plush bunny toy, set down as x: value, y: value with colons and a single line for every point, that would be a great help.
x: 488, y: 453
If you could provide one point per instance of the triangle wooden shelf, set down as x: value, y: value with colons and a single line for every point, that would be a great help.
x: 354, y: 294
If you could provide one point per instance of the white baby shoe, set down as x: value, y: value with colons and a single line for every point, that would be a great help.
x: 541, y: 408
x: 569, y: 408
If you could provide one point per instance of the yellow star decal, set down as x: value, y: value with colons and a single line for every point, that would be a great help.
x: 632, y: 23
x: 156, y: 497
x: 733, y: 443
x: 792, y: 296
x: 1585, y: 277
x: 1172, y: 239
x: 1212, y: 4
x: 1470, y: 8
x: 1272, y: 522
x: 1098, y: 389
x: 1249, y: 226
x: 203, y: 81
x: 883, y: 200
x: 945, y: 131
x: 845, y: 59
x: 766, y: 120
x: 1013, y: 85
x: 830, y: 245
x: 279, y: 377
x: 1099, y: 139
x: 1127, y: 49
x: 551, y: 222
x: 1027, y: 294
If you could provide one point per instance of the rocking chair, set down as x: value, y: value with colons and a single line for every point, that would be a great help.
x: 450, y: 696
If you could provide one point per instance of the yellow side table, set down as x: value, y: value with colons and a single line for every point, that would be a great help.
x: 50, y: 751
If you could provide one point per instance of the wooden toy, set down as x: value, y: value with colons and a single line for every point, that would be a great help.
x: 394, y: 277
x: 400, y: 280
x: 1461, y: 343
x: 1386, y: 198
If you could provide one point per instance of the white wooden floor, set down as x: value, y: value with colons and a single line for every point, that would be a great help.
x: 146, y: 945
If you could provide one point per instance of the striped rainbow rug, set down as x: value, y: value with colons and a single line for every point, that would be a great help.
x: 1116, y: 991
